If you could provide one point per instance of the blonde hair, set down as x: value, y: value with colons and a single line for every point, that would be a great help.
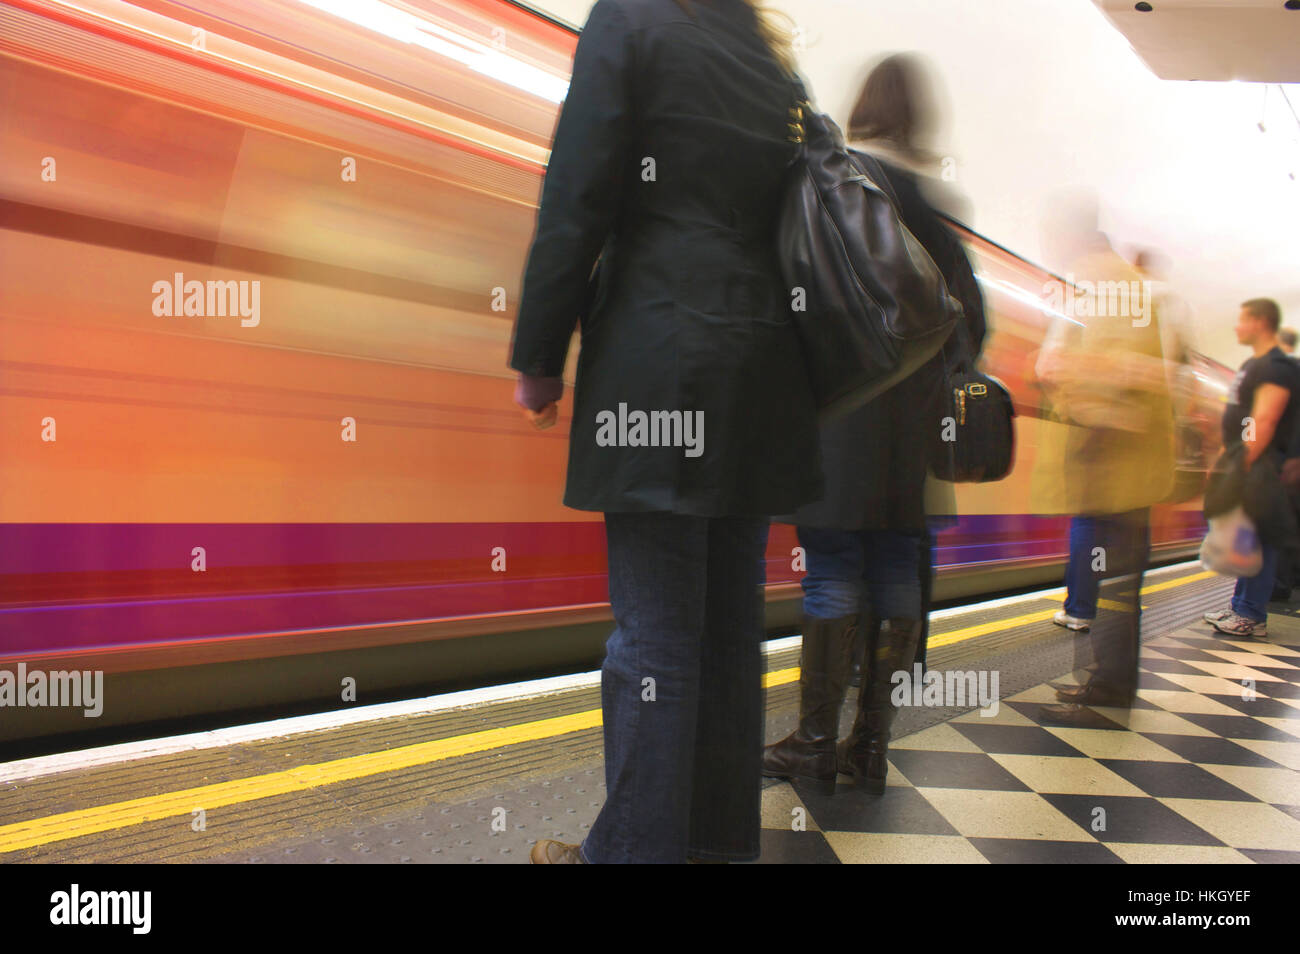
x: 776, y: 27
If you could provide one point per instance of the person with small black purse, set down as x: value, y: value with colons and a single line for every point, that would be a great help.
x: 863, y: 540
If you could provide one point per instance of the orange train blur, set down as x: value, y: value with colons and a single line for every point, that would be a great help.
x: 350, y: 461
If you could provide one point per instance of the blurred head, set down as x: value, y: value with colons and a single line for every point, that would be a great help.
x: 1258, y: 321
x: 897, y: 104
x: 1286, y: 337
x: 1152, y: 263
x: 1071, y: 227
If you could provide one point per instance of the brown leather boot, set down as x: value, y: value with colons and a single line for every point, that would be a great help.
x: 549, y: 852
x: 862, y: 639
x: 807, y: 756
x: 864, y: 754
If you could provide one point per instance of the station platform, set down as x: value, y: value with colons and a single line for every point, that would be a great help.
x: 1197, y: 772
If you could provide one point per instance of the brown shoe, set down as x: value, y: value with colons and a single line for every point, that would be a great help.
x: 1072, y: 714
x: 1096, y: 694
x: 548, y: 852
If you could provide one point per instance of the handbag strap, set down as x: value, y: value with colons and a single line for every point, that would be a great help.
x: 964, y: 359
x: 879, y: 178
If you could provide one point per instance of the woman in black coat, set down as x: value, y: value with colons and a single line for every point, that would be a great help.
x: 693, y: 416
x: 865, y: 542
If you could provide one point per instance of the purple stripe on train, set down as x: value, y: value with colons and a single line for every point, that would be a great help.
x: 162, y: 599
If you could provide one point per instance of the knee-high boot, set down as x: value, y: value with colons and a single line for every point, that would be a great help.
x: 864, y: 754
x: 808, y: 755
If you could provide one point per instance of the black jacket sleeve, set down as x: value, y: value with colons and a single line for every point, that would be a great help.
x: 963, y: 285
x: 580, y: 195
x: 948, y: 254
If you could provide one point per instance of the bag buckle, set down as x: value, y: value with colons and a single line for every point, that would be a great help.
x: 977, y: 390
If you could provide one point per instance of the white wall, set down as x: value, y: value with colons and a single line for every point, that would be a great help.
x: 1043, y: 95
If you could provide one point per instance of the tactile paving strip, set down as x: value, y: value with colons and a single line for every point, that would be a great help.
x: 496, y: 828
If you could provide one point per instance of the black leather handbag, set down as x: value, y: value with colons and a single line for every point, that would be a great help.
x: 869, y: 303
x: 975, y: 441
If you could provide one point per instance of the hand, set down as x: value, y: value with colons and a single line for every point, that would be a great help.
x: 544, y: 418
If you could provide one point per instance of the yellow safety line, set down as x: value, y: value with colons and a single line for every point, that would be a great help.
x: 86, y: 821
x: 1169, y: 584
x: 779, y: 677
x: 136, y: 811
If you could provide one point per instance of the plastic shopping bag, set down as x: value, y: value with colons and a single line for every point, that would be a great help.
x: 1232, y: 545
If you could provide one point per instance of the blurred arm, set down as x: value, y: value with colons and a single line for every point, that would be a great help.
x: 580, y: 196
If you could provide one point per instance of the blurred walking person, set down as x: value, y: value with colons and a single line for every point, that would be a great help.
x: 864, y: 541
x: 1082, y: 582
x: 693, y: 420
x: 1106, y: 451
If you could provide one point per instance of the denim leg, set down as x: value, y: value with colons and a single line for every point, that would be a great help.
x: 893, y: 573
x: 1116, y: 634
x: 832, y: 587
x: 1251, y: 596
x: 1081, y: 583
x: 657, y: 589
x: 727, y: 790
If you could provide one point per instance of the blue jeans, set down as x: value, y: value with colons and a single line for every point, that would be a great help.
x: 681, y: 690
x: 846, y: 566
x: 1250, y: 598
x: 1122, y: 531
x: 1081, y: 583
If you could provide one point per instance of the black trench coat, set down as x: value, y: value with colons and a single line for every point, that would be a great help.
x: 667, y: 164
x: 876, y: 458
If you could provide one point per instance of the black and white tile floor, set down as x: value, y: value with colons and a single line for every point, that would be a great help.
x: 1198, y: 771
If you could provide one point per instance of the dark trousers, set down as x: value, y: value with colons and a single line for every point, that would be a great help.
x: 681, y: 690
x: 1113, y: 641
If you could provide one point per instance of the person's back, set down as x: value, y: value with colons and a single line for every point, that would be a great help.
x: 865, y: 541
x: 1105, y: 454
x: 687, y: 147
x: 693, y: 418
x: 1104, y: 374
x: 881, y: 450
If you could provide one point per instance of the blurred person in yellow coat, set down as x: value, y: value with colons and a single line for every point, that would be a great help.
x: 1106, y: 448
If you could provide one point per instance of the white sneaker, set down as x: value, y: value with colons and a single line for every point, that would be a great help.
x: 1234, y: 625
x: 1217, y: 615
x: 1062, y: 618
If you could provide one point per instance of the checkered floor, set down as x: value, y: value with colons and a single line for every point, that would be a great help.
x: 1193, y: 773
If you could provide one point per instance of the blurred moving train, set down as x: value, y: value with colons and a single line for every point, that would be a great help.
x: 260, y: 263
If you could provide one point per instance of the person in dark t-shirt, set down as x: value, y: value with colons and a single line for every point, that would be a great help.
x: 1261, y: 414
